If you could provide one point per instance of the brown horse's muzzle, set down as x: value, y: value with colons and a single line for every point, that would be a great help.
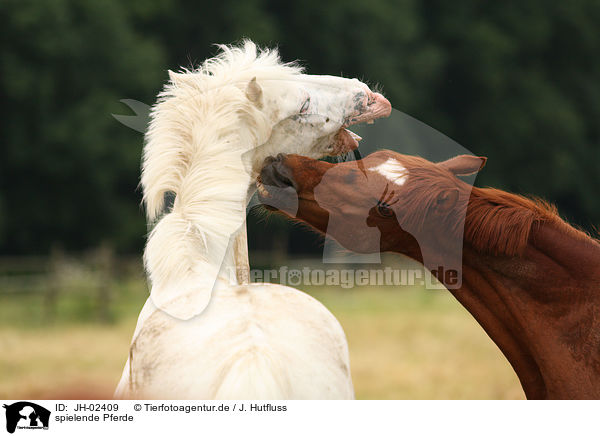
x: 285, y: 180
x: 276, y: 173
x: 277, y: 187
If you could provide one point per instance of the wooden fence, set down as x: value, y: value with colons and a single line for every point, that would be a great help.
x: 92, y: 274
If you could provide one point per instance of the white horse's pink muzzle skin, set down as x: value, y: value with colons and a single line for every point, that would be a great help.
x: 377, y: 107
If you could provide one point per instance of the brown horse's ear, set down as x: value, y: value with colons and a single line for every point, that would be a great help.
x: 464, y: 165
x: 446, y: 200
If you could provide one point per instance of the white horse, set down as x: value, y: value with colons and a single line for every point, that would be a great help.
x: 203, y: 333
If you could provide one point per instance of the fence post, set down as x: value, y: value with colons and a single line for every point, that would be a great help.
x: 57, y: 261
x: 105, y: 265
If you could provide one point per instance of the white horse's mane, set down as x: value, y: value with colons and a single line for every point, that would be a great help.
x: 198, y: 112
x: 200, y: 129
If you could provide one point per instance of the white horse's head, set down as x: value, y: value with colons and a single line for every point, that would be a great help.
x: 310, y: 114
x: 209, y: 135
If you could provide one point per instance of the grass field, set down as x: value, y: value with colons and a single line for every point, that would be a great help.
x: 404, y: 344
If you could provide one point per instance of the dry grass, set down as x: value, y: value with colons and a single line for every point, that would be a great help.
x: 409, y: 344
x: 421, y: 345
x: 60, y: 362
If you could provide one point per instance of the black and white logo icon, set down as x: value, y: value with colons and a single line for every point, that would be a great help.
x: 26, y: 415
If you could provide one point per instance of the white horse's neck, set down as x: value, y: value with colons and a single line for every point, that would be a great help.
x: 235, y: 267
x: 201, y: 244
x: 240, y: 256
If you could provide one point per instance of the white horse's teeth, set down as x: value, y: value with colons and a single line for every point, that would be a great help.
x: 261, y: 189
x: 354, y: 135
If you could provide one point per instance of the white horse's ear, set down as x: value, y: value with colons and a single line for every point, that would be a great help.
x: 179, y: 79
x: 254, y: 92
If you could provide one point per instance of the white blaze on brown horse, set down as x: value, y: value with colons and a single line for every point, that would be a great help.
x: 530, y: 279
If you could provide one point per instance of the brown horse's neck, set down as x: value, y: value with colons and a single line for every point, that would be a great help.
x: 541, y: 309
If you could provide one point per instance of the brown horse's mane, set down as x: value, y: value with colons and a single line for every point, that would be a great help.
x: 496, y: 222
x: 500, y: 223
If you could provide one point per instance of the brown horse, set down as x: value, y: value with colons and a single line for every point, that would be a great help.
x: 530, y: 279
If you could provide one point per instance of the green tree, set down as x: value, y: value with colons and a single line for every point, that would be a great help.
x: 523, y: 87
x: 516, y: 81
x: 68, y: 171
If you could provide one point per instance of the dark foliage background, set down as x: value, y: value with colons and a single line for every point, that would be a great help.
x: 516, y: 81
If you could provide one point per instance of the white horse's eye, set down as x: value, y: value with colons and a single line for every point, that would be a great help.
x: 304, y: 107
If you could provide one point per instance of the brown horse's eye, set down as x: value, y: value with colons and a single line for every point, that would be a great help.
x: 384, y: 210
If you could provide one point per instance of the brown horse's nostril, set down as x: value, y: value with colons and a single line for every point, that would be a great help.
x: 276, y: 173
x: 270, y: 159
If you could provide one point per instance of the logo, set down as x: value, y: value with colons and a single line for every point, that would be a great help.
x: 26, y: 415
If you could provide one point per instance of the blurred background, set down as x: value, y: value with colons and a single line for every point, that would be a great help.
x: 516, y: 81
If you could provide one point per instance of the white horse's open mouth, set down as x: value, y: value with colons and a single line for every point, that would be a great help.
x: 375, y: 106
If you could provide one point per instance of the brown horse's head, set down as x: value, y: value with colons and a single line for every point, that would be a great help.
x: 384, y: 202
